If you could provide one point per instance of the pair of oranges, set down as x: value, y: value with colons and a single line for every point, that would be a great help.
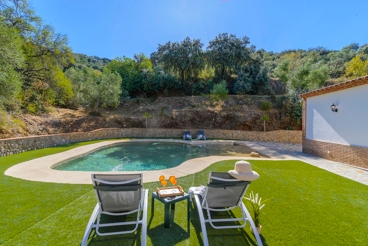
x: 172, y: 180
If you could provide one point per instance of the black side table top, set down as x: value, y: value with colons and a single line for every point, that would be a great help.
x: 170, y: 199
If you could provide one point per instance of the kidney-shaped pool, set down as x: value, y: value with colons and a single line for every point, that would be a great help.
x: 141, y: 156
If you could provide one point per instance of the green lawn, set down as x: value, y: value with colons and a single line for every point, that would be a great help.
x: 306, y: 206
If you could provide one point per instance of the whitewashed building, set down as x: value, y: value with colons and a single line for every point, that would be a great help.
x: 335, y: 122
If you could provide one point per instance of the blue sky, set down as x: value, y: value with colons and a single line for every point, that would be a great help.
x: 117, y: 28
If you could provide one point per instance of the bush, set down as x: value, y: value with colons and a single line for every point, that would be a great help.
x: 265, y: 105
x: 8, y: 123
x: 292, y: 106
x: 219, y: 91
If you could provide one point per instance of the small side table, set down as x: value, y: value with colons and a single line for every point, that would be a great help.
x: 167, y: 201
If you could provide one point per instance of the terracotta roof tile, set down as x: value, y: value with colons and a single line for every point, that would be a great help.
x: 336, y: 87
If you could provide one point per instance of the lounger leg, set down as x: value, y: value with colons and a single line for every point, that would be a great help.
x: 203, y: 222
x: 251, y: 222
x: 144, y: 219
x: 91, y: 221
x: 188, y: 207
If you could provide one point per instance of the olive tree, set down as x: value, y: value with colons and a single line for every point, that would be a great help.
x: 96, y: 89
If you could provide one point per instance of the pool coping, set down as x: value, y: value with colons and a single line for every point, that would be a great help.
x: 39, y: 169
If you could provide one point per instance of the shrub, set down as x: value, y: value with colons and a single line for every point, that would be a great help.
x: 265, y: 105
x: 219, y: 91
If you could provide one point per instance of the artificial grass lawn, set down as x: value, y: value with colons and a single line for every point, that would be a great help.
x: 306, y: 206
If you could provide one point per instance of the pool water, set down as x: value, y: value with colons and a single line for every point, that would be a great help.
x: 141, y: 156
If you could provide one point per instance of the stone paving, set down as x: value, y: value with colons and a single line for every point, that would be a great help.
x: 294, y: 151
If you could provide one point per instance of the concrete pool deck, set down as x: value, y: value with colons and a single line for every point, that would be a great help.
x: 40, y: 169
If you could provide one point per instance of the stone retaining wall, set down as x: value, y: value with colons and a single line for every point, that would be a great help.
x: 17, y: 145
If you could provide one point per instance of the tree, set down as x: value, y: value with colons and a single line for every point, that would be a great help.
x: 63, y: 89
x: 185, y: 58
x: 252, y: 76
x: 132, y: 71
x: 44, y: 49
x: 337, y: 59
x: 11, y: 58
x: 226, y: 52
x: 96, y: 89
x: 302, y: 72
x: 19, y: 15
x: 147, y: 115
x: 45, y: 52
x: 265, y: 106
x: 356, y: 67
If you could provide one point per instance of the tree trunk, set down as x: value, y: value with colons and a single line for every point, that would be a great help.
x: 264, y: 126
x: 96, y: 106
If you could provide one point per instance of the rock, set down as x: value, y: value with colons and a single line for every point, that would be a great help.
x: 254, y: 154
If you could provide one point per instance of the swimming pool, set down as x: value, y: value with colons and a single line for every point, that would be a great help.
x: 142, y: 156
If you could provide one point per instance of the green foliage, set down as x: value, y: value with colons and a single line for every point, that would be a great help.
x: 185, y: 58
x: 63, y: 89
x: 135, y: 73
x: 11, y: 58
x: 356, y: 67
x: 32, y: 108
x: 243, y: 84
x: 45, y: 54
x: 93, y: 62
x: 147, y: 115
x: 95, y: 89
x: 226, y: 52
x: 302, y: 71
x: 37, y: 97
x: 19, y: 15
x: 282, y: 71
x: 34, y: 56
x: 255, y: 204
x: 265, y: 117
x: 11, y: 124
x: 265, y: 105
x: 207, y: 73
x: 109, y: 89
x: 292, y: 106
x: 219, y: 91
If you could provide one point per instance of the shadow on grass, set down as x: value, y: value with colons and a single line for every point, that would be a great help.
x: 167, y: 236
x: 233, y: 236
x: 128, y: 239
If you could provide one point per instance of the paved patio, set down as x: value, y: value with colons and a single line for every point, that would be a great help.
x: 40, y: 169
x: 294, y: 151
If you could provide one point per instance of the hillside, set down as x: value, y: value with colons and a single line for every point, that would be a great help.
x: 235, y: 113
x: 94, y: 62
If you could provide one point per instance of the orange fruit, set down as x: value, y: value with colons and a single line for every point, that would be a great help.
x: 162, y: 177
x: 173, y: 180
x: 164, y: 182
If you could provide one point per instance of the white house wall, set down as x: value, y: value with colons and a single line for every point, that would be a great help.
x: 348, y: 126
